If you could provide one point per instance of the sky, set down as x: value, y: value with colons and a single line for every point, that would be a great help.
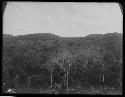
x: 66, y: 19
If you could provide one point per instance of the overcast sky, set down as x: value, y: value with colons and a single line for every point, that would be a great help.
x: 64, y: 19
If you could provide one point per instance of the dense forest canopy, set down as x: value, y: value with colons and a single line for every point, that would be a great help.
x: 41, y: 60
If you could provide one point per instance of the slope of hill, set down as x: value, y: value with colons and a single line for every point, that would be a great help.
x: 7, y: 36
x: 95, y: 59
x: 38, y: 36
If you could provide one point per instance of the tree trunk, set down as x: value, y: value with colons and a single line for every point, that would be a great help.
x: 73, y: 83
x: 16, y: 81
x: 67, y: 81
x: 103, y: 78
x: 78, y: 84
x: 29, y: 81
x: 51, y: 79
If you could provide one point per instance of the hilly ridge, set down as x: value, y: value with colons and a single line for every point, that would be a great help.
x: 96, y: 60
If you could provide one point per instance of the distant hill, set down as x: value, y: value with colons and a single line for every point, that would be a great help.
x: 112, y: 41
x: 37, y: 36
x: 45, y: 36
x: 7, y: 36
x: 94, y: 39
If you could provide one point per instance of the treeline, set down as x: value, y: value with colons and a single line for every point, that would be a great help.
x: 43, y: 60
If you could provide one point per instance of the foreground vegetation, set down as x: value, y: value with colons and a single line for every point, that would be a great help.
x: 90, y: 90
x: 46, y: 62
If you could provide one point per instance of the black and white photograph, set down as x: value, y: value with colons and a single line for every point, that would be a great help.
x: 62, y: 48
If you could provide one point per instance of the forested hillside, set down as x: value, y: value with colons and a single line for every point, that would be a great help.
x: 40, y: 61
